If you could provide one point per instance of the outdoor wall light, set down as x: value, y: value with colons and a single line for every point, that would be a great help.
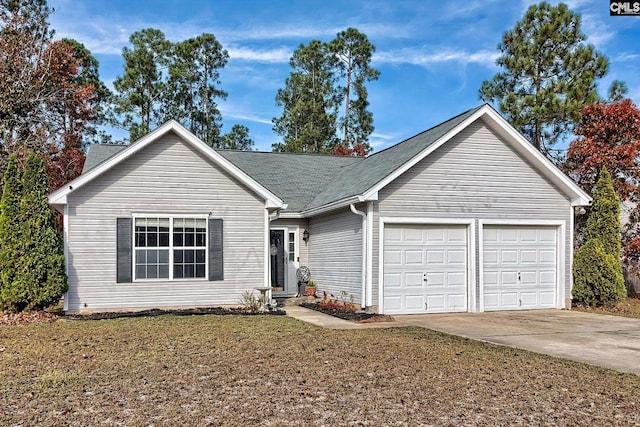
x: 305, y: 235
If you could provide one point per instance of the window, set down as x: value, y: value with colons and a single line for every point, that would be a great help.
x: 170, y: 248
x: 292, y: 247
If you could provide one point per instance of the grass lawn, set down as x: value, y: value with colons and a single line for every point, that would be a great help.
x: 244, y: 370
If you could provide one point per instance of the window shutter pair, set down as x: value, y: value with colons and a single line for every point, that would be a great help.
x: 124, y: 246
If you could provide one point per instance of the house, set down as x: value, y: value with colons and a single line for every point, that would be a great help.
x: 466, y: 216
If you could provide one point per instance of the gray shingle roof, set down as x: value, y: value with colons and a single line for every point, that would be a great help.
x: 295, y: 178
x: 360, y: 178
x: 98, y: 153
x: 306, y: 181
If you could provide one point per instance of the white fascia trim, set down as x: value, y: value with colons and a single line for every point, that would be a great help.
x: 471, y: 251
x: 331, y: 206
x: 561, y: 237
x: 580, y: 198
x: 60, y: 196
x: 168, y: 214
x: 291, y: 215
x: 424, y: 153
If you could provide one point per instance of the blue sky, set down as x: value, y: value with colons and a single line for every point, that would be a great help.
x: 432, y: 55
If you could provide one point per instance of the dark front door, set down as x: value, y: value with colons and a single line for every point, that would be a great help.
x: 276, y: 251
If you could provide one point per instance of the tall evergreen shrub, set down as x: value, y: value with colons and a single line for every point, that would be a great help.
x: 41, y: 269
x: 597, y: 268
x: 10, y: 238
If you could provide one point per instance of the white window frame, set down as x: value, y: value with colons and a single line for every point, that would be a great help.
x: 171, y: 246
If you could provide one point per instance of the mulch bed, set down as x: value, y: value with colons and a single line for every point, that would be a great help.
x: 27, y: 318
x: 220, y: 311
x: 354, y: 316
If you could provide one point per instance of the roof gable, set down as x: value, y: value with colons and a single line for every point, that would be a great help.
x: 311, y: 184
x: 59, y: 197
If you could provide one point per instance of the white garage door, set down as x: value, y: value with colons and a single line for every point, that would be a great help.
x: 425, y: 269
x: 519, y: 267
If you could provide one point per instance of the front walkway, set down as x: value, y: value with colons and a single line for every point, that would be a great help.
x: 608, y: 341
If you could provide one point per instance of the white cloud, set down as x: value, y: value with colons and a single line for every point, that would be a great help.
x: 626, y: 57
x: 380, y: 141
x: 278, y: 55
x: 596, y: 30
x: 422, y: 58
x: 231, y: 112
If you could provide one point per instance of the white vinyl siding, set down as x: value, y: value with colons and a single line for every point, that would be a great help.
x: 166, y: 178
x: 335, y: 255
x: 474, y: 175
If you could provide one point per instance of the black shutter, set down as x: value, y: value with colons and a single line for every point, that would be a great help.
x: 216, y: 264
x: 124, y: 244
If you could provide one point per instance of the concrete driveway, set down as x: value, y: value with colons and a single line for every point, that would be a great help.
x: 608, y: 341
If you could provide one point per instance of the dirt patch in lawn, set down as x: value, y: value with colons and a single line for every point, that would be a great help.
x: 10, y: 319
x: 629, y: 307
x: 346, y: 314
x: 274, y: 371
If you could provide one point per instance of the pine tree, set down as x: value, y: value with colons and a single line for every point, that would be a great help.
x: 41, y: 267
x: 548, y: 74
x: 10, y: 241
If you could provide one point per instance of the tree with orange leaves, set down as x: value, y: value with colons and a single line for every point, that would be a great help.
x: 608, y: 135
x: 46, y: 100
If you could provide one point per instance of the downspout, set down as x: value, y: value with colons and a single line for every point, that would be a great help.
x: 352, y: 206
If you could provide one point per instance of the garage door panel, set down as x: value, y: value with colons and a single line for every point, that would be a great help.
x: 547, y: 257
x: 524, y: 274
x: 435, y: 235
x: 393, y: 257
x: 528, y: 256
x: 413, y: 235
x: 490, y: 280
x: 509, y: 299
x: 393, y: 303
x: 548, y: 277
x: 413, y: 280
x: 435, y: 279
x: 548, y: 299
x: 508, y: 256
x: 433, y: 252
x: 412, y: 257
x: 414, y: 302
x: 508, y: 278
x: 393, y: 280
x: 547, y: 235
x: 435, y: 303
x: 456, y: 257
x: 435, y: 257
x: 458, y: 302
x: 457, y: 235
x: 457, y: 279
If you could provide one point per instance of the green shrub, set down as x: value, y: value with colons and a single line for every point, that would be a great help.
x: 10, y: 239
x: 598, y: 279
x: 604, y: 217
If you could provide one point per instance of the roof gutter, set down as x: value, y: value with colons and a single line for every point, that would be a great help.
x: 352, y: 206
x: 332, y: 206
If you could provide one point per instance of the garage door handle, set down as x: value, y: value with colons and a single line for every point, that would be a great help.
x: 424, y: 277
x: 518, y: 276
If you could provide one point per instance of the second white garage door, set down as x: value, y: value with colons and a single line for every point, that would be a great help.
x: 519, y: 267
x: 425, y: 269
